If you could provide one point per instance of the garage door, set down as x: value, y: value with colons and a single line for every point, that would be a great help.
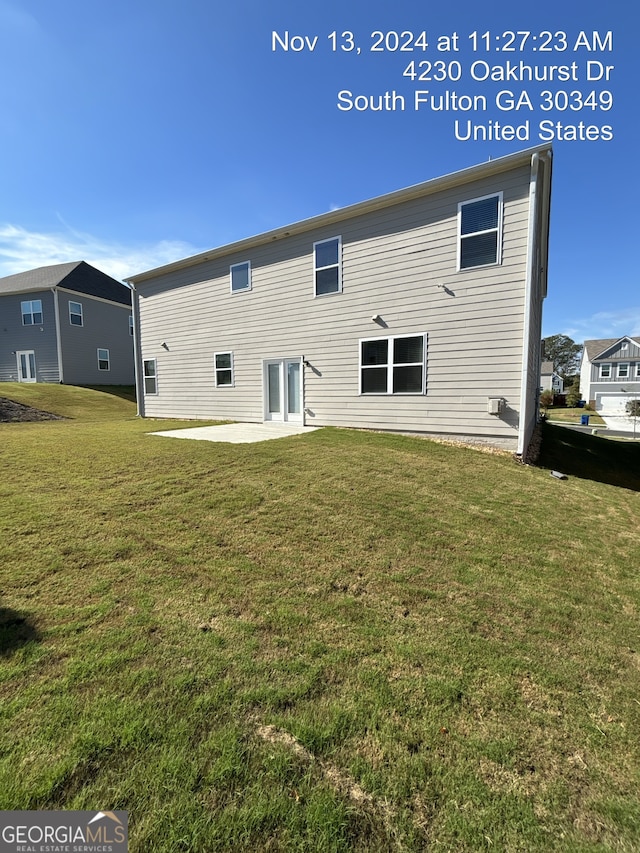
x: 613, y: 404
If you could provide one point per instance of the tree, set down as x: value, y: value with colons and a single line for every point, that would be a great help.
x: 573, y: 394
x: 633, y: 408
x: 563, y: 352
x: 546, y: 399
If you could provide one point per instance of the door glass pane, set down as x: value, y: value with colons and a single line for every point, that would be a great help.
x: 293, y: 387
x: 273, y: 381
x: 23, y: 366
x: 32, y: 365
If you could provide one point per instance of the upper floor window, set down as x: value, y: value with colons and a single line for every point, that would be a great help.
x: 605, y: 371
x: 150, y: 376
x: 394, y: 365
x: 638, y: 370
x: 75, y: 313
x: 480, y: 231
x: 103, y: 359
x: 240, y: 276
x: 624, y: 346
x: 224, y: 368
x: 623, y: 371
x: 31, y: 312
x: 131, y: 324
x: 327, y: 262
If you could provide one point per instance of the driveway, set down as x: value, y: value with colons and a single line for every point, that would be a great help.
x: 621, y: 423
x: 237, y: 433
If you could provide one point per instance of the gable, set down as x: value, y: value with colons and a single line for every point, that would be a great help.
x: 613, y: 349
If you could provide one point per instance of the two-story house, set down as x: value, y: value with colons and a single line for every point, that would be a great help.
x: 549, y: 379
x: 610, y: 373
x: 419, y: 310
x: 67, y: 323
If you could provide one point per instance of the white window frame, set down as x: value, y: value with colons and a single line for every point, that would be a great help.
x: 604, y: 375
x: 31, y: 313
x: 390, y: 365
x: 627, y: 374
x: 337, y: 265
x: 107, y: 359
x: 497, y: 230
x: 248, y: 286
x: 218, y: 370
x: 638, y: 370
x: 146, y: 376
x: 624, y: 346
x: 131, y: 324
x: 75, y: 314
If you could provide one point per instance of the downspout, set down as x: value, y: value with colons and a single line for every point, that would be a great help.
x: 529, y: 283
x: 56, y: 313
x: 137, y: 363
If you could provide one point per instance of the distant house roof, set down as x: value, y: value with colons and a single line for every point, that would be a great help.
x: 78, y: 276
x: 546, y: 368
x: 596, y: 348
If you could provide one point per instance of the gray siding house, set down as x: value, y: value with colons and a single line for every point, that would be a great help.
x: 415, y: 311
x: 66, y: 323
x: 610, y: 374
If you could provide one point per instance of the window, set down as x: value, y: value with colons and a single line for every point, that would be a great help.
x: 103, y: 359
x: 638, y: 370
x: 623, y: 370
x: 393, y: 365
x: 31, y: 312
x: 75, y: 313
x: 624, y: 346
x: 240, y: 276
x: 480, y: 231
x: 131, y: 324
x: 224, y: 368
x: 327, y: 266
x: 150, y: 376
x: 605, y: 371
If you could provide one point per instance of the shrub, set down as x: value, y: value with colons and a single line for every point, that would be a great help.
x: 546, y: 399
x: 633, y: 408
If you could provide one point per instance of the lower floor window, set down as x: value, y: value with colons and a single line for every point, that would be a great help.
x: 150, y: 376
x: 224, y: 368
x: 394, y: 365
x: 103, y: 359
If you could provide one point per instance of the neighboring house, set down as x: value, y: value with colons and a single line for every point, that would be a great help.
x: 416, y: 311
x: 610, y: 373
x: 66, y: 323
x: 549, y: 379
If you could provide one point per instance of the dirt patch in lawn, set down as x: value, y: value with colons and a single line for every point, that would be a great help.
x: 12, y: 412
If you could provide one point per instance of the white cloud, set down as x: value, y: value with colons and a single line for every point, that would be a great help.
x: 605, y: 324
x: 22, y: 250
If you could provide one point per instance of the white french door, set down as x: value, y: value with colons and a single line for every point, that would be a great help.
x: 26, y: 366
x: 283, y: 390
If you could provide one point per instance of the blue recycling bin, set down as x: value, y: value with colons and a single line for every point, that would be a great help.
x: 584, y: 420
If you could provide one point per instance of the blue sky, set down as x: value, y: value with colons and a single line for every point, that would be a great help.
x: 137, y: 133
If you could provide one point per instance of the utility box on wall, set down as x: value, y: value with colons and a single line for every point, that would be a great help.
x: 495, y: 405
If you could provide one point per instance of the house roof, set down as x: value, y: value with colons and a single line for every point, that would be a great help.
x: 546, y: 368
x: 595, y: 349
x: 77, y: 276
x: 491, y: 167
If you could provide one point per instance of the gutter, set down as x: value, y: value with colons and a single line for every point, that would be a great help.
x: 56, y: 312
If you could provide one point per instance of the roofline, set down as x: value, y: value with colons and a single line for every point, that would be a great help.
x: 615, y: 343
x: 491, y: 167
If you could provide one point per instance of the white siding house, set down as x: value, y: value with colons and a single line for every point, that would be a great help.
x: 416, y: 311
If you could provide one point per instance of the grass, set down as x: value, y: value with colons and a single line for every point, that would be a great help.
x: 573, y: 416
x: 334, y: 642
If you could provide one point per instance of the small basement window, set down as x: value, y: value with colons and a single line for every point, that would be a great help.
x: 224, y: 369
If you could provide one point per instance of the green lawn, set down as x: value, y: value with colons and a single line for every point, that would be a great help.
x: 568, y: 415
x: 342, y: 641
